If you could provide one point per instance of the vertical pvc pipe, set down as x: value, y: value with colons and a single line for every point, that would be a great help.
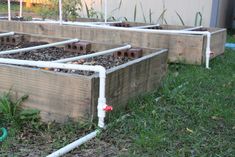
x: 9, y: 10
x: 105, y: 11
x: 208, y: 50
x: 21, y: 8
x: 60, y: 12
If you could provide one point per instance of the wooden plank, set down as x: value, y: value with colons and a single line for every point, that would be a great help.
x: 182, y: 48
x: 132, y: 79
x: 95, y: 46
x: 58, y: 96
x: 218, y: 40
x: 186, y: 49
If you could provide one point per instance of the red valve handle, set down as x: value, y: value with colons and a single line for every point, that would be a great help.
x: 108, y: 108
x: 212, y: 53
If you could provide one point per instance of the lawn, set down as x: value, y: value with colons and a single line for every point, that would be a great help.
x: 4, y: 7
x: 192, y: 114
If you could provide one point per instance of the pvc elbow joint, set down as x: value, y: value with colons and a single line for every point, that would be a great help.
x: 102, y: 71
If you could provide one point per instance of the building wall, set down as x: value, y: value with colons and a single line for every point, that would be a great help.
x: 225, y: 13
x: 186, y: 8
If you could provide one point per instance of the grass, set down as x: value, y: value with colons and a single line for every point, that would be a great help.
x: 195, y: 115
x: 4, y: 7
x: 192, y: 114
x: 230, y: 37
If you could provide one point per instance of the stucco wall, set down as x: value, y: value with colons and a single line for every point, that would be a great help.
x: 225, y: 12
x: 186, y: 8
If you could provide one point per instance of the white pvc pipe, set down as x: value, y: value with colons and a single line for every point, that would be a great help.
x: 6, y: 34
x: 9, y: 10
x: 4, y: 17
x: 60, y: 12
x: 39, y: 20
x: 101, y: 101
x: 105, y: 11
x: 193, y: 28
x: 111, y: 22
x: 207, y: 33
x: 21, y: 8
x: 38, y: 47
x: 101, y: 70
x: 74, y: 145
x: 93, y: 54
x: 147, y: 26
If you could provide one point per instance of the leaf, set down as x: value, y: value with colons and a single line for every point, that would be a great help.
x: 29, y: 112
x: 142, y: 9
x: 135, y: 12
x: 189, y: 130
x: 150, y: 15
x: 161, y: 17
x: 18, y: 102
x: 118, y: 8
x: 181, y: 20
x: 29, y: 115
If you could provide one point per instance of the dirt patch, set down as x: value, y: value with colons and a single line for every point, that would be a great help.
x: 37, y: 143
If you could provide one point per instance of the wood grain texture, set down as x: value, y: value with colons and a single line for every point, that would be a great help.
x: 57, y: 96
x: 132, y: 79
x: 61, y: 96
x: 186, y: 49
x: 218, y: 40
x: 182, y: 48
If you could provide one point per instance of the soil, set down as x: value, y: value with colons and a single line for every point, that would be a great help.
x: 56, y: 53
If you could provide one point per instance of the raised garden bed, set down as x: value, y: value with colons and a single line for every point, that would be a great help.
x: 188, y: 49
x: 60, y: 95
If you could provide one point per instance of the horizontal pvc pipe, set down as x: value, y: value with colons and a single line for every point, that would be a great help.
x: 148, y: 26
x: 38, y: 47
x: 6, y: 34
x: 92, y: 55
x: 3, y: 17
x: 192, y: 28
x: 111, y: 22
x: 74, y: 145
x: 46, y: 64
x: 207, y: 33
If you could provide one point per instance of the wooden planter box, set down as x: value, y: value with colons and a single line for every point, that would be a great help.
x: 189, y: 49
x: 60, y: 96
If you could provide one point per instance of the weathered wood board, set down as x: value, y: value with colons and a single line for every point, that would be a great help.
x: 189, y: 49
x: 57, y: 96
x: 60, y: 96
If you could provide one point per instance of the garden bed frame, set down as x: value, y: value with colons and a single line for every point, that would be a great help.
x: 60, y: 96
x: 189, y: 49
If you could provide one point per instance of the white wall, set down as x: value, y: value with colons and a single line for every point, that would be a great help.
x: 186, y: 8
x: 225, y: 13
